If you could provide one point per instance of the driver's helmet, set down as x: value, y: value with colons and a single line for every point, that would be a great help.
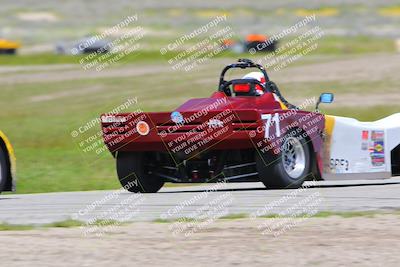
x: 256, y: 76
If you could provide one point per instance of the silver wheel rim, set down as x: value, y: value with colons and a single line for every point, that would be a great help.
x: 293, y: 157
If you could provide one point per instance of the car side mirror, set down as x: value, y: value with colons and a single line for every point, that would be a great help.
x: 326, y: 98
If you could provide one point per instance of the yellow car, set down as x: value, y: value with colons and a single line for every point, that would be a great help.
x: 7, y: 164
x: 8, y: 47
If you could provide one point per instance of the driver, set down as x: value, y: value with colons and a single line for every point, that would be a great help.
x: 256, y: 75
x: 259, y: 91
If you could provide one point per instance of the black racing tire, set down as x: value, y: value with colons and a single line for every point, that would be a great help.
x: 132, y: 174
x: 3, y: 170
x: 11, y: 51
x: 290, y: 167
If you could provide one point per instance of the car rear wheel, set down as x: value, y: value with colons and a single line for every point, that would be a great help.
x: 8, y: 51
x: 133, y: 174
x: 3, y: 170
x: 289, y: 168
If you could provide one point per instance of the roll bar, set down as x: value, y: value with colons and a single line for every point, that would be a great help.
x: 245, y: 63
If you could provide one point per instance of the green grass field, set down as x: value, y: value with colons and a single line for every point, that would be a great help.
x: 329, y: 45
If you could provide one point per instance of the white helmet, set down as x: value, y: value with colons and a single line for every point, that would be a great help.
x: 256, y: 75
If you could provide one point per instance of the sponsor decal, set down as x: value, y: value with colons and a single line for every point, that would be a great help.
x: 364, y: 137
x: 339, y: 165
x: 364, y: 146
x: 142, y: 128
x: 377, y: 148
x: 215, y: 123
x: 177, y: 117
x: 377, y: 135
x: 112, y: 119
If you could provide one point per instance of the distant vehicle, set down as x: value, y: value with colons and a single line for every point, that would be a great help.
x: 256, y: 42
x: 8, y: 47
x: 247, y: 131
x: 84, y: 46
x: 260, y: 43
x: 7, y: 164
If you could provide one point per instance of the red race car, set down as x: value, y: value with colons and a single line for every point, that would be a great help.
x: 246, y: 131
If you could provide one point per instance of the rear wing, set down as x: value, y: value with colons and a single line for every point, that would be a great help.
x: 165, y: 131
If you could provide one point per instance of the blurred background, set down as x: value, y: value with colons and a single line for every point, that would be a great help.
x: 48, y: 90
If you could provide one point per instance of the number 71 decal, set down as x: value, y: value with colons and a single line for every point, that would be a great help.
x: 269, y: 119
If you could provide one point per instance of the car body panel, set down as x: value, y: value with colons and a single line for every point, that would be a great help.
x: 12, y: 160
x: 7, y: 44
x: 242, y: 117
x: 355, y: 149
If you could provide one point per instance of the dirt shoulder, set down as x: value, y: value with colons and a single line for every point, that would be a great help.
x: 360, y: 68
x: 332, y: 241
x: 354, y: 68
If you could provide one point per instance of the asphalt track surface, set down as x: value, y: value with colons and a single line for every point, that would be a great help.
x: 178, y: 202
